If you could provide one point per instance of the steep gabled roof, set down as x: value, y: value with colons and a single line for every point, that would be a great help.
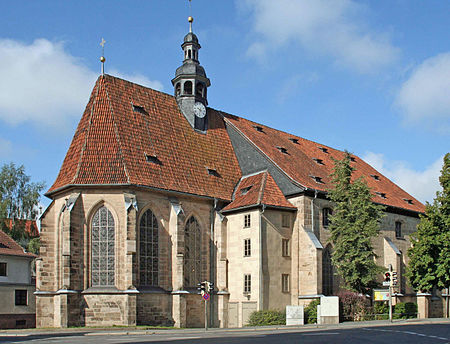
x: 9, y: 247
x: 310, y: 163
x: 29, y: 226
x: 258, y: 189
x: 130, y: 134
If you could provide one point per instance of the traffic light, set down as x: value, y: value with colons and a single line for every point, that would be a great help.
x: 201, y: 287
x: 210, y: 287
x: 394, y: 279
x: 387, y: 276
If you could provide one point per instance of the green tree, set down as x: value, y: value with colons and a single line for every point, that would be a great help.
x: 19, y: 200
x: 429, y: 265
x: 354, y: 223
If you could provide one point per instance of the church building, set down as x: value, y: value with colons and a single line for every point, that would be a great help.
x: 160, y: 192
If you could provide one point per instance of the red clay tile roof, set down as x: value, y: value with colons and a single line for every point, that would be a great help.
x: 297, y: 160
x: 258, y: 189
x: 111, y: 143
x: 30, y: 226
x: 9, y: 247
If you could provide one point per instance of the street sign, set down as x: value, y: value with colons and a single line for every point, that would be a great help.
x: 381, y: 295
x: 205, y: 296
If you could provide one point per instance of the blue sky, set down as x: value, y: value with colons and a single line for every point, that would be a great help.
x: 372, y: 77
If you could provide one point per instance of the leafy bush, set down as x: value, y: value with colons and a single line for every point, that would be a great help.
x: 354, y: 306
x: 405, y: 310
x: 381, y: 310
x: 267, y: 317
x: 311, y: 312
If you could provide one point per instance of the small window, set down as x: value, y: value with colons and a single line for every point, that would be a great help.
x: 188, y: 87
x: 247, y: 283
x: 326, y: 212
x: 318, y: 180
x: 3, y: 269
x: 398, y: 229
x: 381, y: 194
x: 21, y: 297
x: 285, y: 283
x: 213, y: 172
x: 352, y: 159
x: 285, y: 220
x: 285, y: 251
x: 244, y: 191
x: 247, y: 248
x: 409, y: 201
x: 247, y: 221
x: 294, y: 140
x: 323, y: 149
x: 258, y: 128
x: 21, y: 322
x: 139, y: 109
x: 319, y: 161
x: 375, y: 176
x: 153, y: 159
x: 282, y: 150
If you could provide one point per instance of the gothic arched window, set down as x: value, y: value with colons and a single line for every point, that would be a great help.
x: 192, y: 253
x: 103, y: 248
x: 188, y: 87
x: 148, y: 249
x: 327, y: 272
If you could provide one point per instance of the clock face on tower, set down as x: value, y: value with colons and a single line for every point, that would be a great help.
x: 199, y: 110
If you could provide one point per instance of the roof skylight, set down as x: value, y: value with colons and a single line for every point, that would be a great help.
x: 381, y: 194
x: 213, y: 172
x: 259, y: 128
x: 319, y: 161
x: 153, y: 159
x: 246, y: 190
x: 282, y: 150
x: 317, y: 179
x: 293, y: 140
x: 323, y: 149
x: 140, y: 109
x: 407, y: 200
x: 375, y: 176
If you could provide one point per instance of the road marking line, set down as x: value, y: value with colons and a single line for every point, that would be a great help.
x: 320, y: 334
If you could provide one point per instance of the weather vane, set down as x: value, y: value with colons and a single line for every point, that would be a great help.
x: 102, y: 58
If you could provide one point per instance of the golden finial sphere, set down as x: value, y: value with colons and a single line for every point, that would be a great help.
x: 190, y: 19
x: 102, y: 59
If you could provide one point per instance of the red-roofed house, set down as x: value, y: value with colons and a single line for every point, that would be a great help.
x: 158, y: 193
x: 17, y: 286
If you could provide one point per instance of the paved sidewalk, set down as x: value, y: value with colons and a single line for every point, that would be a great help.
x: 92, y: 331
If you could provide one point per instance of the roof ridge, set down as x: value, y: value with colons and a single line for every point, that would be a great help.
x: 75, y: 176
x: 119, y: 144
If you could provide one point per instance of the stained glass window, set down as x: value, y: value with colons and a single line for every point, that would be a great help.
x: 148, y: 249
x: 192, y: 253
x: 103, y: 248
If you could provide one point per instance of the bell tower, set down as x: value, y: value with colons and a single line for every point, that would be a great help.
x: 191, y: 83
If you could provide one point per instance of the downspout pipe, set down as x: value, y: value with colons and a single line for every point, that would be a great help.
x: 212, y: 260
x: 261, y: 279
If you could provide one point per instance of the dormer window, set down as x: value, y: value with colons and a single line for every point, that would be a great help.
x: 153, y: 159
x: 323, y: 149
x: 139, y: 109
x: 381, y: 194
x: 259, y: 128
x: 293, y: 140
x: 407, y: 200
x: 319, y: 161
x: 375, y: 176
x: 246, y: 190
x: 282, y: 150
x: 213, y: 172
x: 317, y: 179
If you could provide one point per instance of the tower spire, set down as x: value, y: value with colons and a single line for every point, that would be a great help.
x: 190, y: 82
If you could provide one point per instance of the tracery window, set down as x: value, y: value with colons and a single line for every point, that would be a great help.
x: 327, y: 272
x: 192, y: 253
x: 148, y: 249
x: 103, y: 248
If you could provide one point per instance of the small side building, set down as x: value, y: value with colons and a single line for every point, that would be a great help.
x: 17, y: 285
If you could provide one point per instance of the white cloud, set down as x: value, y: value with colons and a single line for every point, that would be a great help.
x: 139, y: 79
x: 43, y: 83
x: 425, y: 97
x: 5, y: 147
x: 421, y: 184
x: 325, y: 27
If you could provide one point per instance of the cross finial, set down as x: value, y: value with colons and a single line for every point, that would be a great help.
x: 102, y: 58
x: 190, y: 18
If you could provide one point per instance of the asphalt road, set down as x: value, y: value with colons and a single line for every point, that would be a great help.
x: 423, y: 334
